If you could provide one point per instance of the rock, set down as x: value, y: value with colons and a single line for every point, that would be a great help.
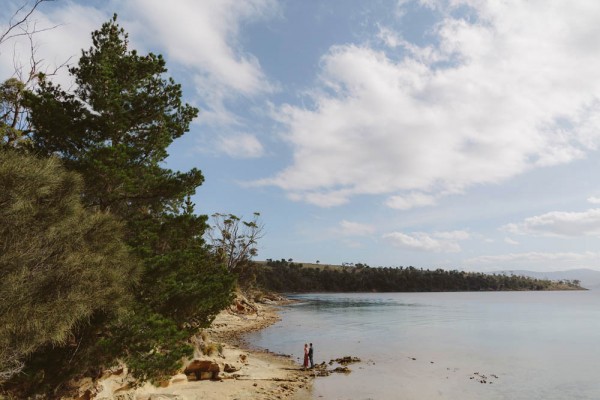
x: 345, y: 360
x: 344, y: 370
x: 203, y: 369
x: 230, y: 368
x: 165, y: 397
x: 87, y: 395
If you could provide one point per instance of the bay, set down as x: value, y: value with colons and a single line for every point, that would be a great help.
x: 468, y: 345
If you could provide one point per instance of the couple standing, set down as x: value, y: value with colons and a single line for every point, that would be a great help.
x: 308, y: 356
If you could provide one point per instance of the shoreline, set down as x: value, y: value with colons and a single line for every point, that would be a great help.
x: 244, y: 373
x: 269, y: 375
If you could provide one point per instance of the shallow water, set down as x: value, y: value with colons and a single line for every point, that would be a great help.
x: 529, y: 345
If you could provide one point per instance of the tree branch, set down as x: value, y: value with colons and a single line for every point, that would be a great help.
x: 14, y: 24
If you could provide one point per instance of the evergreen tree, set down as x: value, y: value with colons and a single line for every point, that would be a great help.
x: 114, y: 129
x: 116, y: 126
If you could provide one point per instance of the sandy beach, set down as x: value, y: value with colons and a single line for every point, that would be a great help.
x: 252, y: 374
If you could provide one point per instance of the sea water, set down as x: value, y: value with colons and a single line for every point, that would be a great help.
x: 455, y: 346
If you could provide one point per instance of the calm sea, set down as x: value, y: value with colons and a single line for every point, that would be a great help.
x: 521, y: 345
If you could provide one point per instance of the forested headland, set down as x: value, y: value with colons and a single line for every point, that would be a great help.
x: 287, y: 276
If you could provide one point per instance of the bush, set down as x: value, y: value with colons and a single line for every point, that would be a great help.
x: 59, y: 263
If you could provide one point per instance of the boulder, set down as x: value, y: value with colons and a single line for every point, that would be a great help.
x: 203, y: 369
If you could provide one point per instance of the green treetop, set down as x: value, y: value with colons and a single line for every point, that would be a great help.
x: 116, y: 126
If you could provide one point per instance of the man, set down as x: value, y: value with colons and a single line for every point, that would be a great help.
x: 310, y: 356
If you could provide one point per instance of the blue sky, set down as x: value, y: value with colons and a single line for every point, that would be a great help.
x: 453, y: 133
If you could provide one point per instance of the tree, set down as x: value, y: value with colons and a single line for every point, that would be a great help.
x: 59, y: 263
x: 116, y: 126
x: 191, y: 292
x: 13, y: 113
x: 234, y: 240
x: 20, y: 23
x: 114, y: 129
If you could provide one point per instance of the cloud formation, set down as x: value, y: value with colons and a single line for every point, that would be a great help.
x: 502, y: 92
x: 410, y: 200
x: 241, y: 145
x: 593, y: 200
x: 203, y: 37
x: 559, y: 223
x: 438, y: 242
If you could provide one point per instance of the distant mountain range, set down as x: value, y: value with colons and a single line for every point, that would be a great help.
x: 589, y: 278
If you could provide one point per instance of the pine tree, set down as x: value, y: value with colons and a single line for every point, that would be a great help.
x: 114, y: 129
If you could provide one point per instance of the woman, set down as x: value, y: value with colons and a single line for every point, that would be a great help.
x: 305, y: 355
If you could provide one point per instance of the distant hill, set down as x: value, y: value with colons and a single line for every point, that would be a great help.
x: 287, y: 276
x: 589, y: 278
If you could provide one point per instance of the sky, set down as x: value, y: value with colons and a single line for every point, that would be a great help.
x: 456, y: 134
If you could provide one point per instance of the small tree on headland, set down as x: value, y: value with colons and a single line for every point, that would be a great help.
x: 234, y: 241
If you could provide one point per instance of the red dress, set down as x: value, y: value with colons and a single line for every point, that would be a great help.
x: 305, y: 357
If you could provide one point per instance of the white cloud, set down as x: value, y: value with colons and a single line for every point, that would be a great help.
x: 559, y: 223
x: 389, y: 37
x: 453, y: 235
x: 410, y: 200
x: 538, y: 260
x: 241, y: 145
x: 439, y: 242
x: 511, y: 241
x: 501, y: 94
x: 319, y: 199
x: 593, y: 200
x: 204, y: 37
x: 349, y: 228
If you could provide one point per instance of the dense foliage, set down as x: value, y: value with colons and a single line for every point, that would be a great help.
x: 59, y: 262
x: 284, y: 276
x: 111, y: 134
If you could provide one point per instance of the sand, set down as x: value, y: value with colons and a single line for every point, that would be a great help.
x: 261, y: 375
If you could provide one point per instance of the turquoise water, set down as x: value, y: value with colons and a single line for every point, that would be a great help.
x: 529, y: 345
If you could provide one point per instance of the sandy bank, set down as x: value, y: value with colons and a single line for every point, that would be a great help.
x: 253, y: 374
